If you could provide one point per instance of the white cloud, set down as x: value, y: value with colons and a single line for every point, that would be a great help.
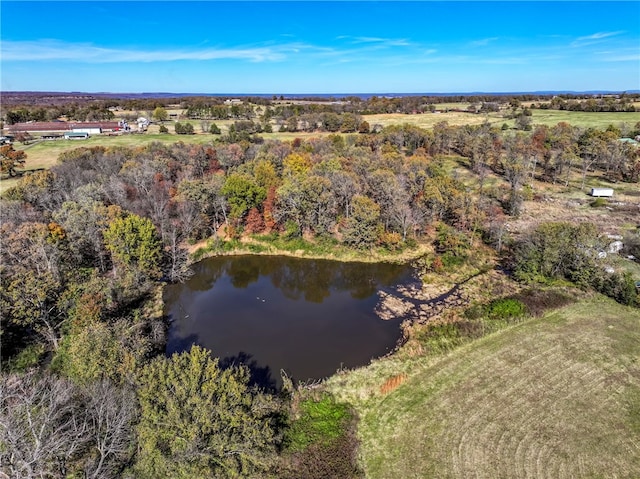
x: 378, y: 41
x: 54, y: 50
x: 623, y: 58
x: 593, y: 38
x: 483, y: 42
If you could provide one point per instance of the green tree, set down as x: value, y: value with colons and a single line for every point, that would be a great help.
x: 523, y: 122
x: 362, y: 226
x: 100, y: 350
x: 349, y: 123
x: 133, y: 242
x: 559, y: 251
x: 570, y: 252
x: 198, y: 420
x: 242, y: 193
x: 184, y: 128
x: 29, y: 300
x: 160, y: 114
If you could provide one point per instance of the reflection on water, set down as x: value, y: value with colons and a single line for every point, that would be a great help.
x: 306, y: 317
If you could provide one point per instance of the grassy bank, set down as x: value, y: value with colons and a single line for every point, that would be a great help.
x: 321, y: 248
x: 556, y: 396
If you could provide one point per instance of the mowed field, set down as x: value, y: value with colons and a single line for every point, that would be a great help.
x: 553, y: 397
x: 539, y: 117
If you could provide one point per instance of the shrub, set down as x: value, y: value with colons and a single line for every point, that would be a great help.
x: 184, y: 129
x: 537, y: 301
x: 291, y: 230
x: 506, y: 308
x: 390, y: 240
x: 619, y: 286
x: 321, y: 442
x: 256, y: 248
x: 450, y: 259
x: 319, y: 422
x: 26, y: 359
x: 440, y: 337
x: 598, y: 203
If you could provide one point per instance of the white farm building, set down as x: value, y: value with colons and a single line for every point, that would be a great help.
x: 602, y: 192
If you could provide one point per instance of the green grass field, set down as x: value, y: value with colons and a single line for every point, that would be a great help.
x: 585, y: 119
x: 557, y: 397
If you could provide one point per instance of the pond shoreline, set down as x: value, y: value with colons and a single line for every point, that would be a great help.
x: 349, y: 255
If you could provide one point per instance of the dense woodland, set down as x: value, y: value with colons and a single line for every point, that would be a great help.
x: 86, y: 245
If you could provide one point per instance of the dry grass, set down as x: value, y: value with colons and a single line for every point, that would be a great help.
x: 555, y: 397
x: 428, y: 120
x: 572, y: 204
x: 392, y: 383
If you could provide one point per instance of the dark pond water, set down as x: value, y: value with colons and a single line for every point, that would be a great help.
x: 306, y: 317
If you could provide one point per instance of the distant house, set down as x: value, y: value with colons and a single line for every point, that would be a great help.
x: 76, y: 135
x: 94, y: 127
x: 88, y: 131
x: 602, y: 192
x: 143, y: 123
x: 630, y: 141
x: 51, y: 136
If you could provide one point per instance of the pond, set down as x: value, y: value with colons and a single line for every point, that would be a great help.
x: 306, y: 317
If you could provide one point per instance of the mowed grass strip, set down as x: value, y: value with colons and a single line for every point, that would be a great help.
x: 555, y: 397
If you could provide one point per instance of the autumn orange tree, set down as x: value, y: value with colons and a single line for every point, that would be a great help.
x: 10, y: 159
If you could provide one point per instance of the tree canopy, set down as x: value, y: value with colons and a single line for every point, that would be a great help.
x: 190, y: 405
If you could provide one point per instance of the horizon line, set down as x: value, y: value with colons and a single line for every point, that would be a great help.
x: 425, y: 93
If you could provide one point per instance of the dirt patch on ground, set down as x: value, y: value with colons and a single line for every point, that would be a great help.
x: 557, y: 204
x: 420, y: 303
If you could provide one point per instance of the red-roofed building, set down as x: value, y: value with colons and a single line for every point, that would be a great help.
x: 91, y: 127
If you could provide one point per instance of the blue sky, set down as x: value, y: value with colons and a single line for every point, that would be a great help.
x: 319, y: 47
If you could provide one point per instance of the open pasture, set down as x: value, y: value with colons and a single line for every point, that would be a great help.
x: 428, y: 120
x: 585, y: 119
x: 557, y: 396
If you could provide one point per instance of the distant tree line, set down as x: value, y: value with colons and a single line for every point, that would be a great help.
x: 92, y: 112
x: 23, y: 108
x: 601, y: 104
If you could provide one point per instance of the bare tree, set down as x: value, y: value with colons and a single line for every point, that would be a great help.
x: 40, y: 428
x: 110, y: 412
x: 51, y: 428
